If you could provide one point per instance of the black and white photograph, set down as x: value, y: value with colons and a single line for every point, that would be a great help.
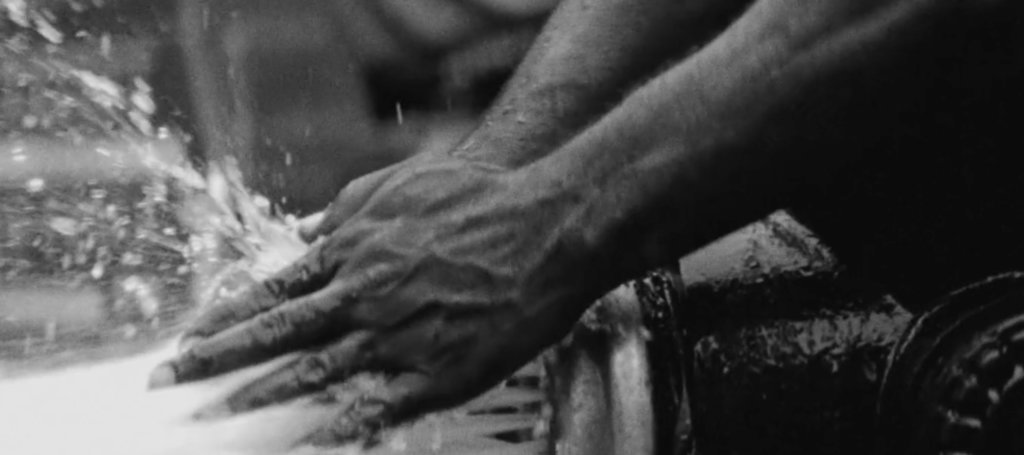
x: 511, y: 227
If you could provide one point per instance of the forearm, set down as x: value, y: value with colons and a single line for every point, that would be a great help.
x: 726, y: 136
x: 587, y: 57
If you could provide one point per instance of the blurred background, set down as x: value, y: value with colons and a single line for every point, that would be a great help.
x: 305, y: 95
x: 113, y: 113
x: 310, y: 95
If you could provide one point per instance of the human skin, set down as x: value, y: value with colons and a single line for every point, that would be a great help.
x: 449, y: 271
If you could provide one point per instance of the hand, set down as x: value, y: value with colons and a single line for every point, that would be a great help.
x: 349, y: 200
x: 445, y: 276
x: 356, y: 194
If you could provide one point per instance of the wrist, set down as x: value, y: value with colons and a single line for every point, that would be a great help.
x: 511, y: 143
x: 582, y: 221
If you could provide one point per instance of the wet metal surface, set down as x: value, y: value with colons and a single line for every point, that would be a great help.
x: 600, y: 382
x: 956, y: 384
x: 788, y: 351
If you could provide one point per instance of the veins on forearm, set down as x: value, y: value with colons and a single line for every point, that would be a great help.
x: 588, y: 57
x: 723, y: 137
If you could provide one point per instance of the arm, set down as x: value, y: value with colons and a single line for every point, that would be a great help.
x: 456, y: 272
x: 587, y: 57
x: 791, y: 93
x: 590, y: 54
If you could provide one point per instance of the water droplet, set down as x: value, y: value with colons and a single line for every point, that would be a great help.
x: 17, y: 11
x: 141, y: 122
x: 144, y: 102
x: 131, y: 259
x: 45, y: 29
x: 51, y: 331
x: 29, y: 121
x: 97, y: 271
x: 105, y: 46
x: 35, y: 185
x: 130, y: 331
x: 261, y: 203
x: 64, y: 225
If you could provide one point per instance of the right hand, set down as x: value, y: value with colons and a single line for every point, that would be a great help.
x: 348, y: 201
x: 444, y: 275
x: 351, y: 199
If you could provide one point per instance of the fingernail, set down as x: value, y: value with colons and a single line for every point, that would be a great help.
x: 213, y: 412
x: 311, y: 222
x: 308, y: 226
x: 162, y: 376
x: 187, y: 343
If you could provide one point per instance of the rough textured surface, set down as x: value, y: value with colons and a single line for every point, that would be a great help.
x: 789, y: 351
x: 955, y: 385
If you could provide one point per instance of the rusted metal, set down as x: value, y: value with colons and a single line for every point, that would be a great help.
x: 788, y: 350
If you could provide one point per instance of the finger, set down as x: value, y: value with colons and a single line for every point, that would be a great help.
x: 294, y: 325
x: 343, y: 207
x: 218, y: 188
x: 349, y: 201
x: 310, y: 373
x: 363, y: 420
x: 309, y: 224
x: 319, y: 224
x: 301, y: 277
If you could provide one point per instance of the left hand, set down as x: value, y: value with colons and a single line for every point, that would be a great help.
x: 448, y: 277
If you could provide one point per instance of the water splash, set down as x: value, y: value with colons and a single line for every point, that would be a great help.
x: 110, y: 240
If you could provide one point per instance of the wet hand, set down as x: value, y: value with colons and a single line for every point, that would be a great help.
x: 444, y: 276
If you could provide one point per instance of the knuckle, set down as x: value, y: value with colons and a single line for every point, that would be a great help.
x: 211, y: 322
x: 345, y: 428
x: 362, y: 420
x: 372, y: 410
x: 200, y: 328
x: 271, y: 287
x: 270, y: 328
x: 365, y: 418
x: 365, y: 342
x: 366, y: 353
x: 314, y: 370
x: 323, y: 261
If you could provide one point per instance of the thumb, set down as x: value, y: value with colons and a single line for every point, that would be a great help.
x: 311, y: 227
x: 349, y: 200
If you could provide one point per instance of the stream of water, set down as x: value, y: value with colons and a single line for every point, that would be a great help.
x: 95, y: 402
x: 105, y: 409
x: 110, y: 241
